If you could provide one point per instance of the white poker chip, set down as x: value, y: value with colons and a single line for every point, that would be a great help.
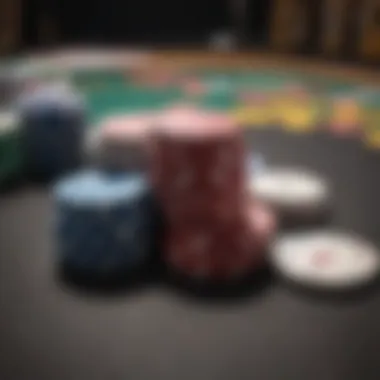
x: 291, y: 192
x: 326, y: 260
x: 8, y: 122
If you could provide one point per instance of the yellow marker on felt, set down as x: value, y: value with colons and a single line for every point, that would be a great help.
x: 371, y: 133
x: 240, y: 116
x: 297, y: 118
x: 346, y: 112
x: 252, y: 117
x: 372, y: 139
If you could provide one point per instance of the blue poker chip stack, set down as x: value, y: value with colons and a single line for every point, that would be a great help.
x: 52, y: 129
x: 104, y: 222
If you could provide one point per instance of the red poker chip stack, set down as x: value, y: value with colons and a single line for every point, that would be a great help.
x: 197, y: 167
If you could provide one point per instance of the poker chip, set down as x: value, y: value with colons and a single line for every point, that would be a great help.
x: 103, y: 222
x: 52, y: 128
x: 127, y: 127
x: 326, y: 260
x: 197, y: 164
x: 213, y: 252
x: 120, y: 141
x: 346, y: 119
x: 198, y: 172
x: 221, y: 251
x: 298, y: 196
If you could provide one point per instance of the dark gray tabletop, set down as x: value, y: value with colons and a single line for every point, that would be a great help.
x: 50, y: 331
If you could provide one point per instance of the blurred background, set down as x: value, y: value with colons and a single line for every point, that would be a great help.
x: 347, y: 30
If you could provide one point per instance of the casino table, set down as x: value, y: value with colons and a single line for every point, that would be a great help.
x: 50, y: 329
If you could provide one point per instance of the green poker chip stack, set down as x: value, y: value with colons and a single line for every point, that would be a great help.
x: 11, y: 158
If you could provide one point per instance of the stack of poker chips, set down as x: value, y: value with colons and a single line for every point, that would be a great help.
x: 118, y: 142
x: 215, y: 232
x: 107, y: 222
x: 103, y: 222
x: 52, y: 126
x: 107, y: 218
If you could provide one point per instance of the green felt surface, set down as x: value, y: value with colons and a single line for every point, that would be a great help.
x: 112, y: 92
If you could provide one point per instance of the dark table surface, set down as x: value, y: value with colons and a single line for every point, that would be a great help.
x: 49, y: 330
